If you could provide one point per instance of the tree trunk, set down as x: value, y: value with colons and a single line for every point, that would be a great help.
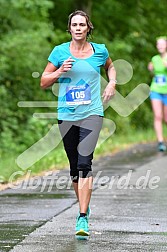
x: 85, y: 5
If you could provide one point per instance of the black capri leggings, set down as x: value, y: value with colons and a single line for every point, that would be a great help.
x: 79, y: 139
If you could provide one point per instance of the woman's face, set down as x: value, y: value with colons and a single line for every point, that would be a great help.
x: 161, y: 45
x: 79, y: 27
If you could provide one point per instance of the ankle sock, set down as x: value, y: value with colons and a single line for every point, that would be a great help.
x: 82, y: 214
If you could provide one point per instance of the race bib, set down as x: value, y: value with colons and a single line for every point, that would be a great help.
x: 77, y: 95
x: 160, y: 80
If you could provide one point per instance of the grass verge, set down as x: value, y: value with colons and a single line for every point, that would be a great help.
x: 57, y: 159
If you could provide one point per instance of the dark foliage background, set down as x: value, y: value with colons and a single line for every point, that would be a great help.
x: 31, y: 28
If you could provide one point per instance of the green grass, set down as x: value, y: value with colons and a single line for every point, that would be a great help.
x: 57, y: 159
x: 118, y: 142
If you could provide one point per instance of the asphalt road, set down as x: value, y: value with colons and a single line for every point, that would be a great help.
x: 128, y: 207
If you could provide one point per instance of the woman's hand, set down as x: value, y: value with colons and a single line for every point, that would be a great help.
x: 165, y: 62
x: 109, y: 92
x: 52, y: 73
x: 67, y: 65
x: 150, y: 67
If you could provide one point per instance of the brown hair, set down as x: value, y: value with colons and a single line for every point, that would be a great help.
x: 81, y: 13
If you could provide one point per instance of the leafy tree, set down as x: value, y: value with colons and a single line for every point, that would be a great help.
x: 23, y: 47
x: 30, y: 29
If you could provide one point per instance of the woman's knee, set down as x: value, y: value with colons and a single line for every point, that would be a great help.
x: 158, y: 118
x: 85, y: 173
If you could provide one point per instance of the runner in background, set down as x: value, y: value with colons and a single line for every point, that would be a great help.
x: 158, y: 95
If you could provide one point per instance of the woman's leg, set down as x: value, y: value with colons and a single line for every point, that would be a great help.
x: 84, y: 193
x: 79, y: 143
x: 89, y: 133
x: 70, y: 136
x: 165, y: 114
x: 157, y: 107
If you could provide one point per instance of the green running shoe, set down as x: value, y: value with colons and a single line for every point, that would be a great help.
x: 88, y: 213
x: 161, y: 146
x: 82, y: 228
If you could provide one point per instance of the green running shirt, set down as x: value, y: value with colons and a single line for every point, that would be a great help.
x: 159, y: 81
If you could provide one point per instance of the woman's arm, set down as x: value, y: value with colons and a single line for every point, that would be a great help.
x: 111, y: 74
x: 165, y: 62
x: 52, y: 73
x: 150, y: 67
x: 49, y: 76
